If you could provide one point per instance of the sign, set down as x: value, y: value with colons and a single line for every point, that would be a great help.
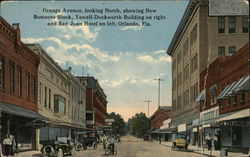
x: 182, y: 128
x: 228, y: 7
x: 232, y: 123
x: 109, y: 120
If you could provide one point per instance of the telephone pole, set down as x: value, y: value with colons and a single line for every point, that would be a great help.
x: 159, y: 90
x: 148, y: 101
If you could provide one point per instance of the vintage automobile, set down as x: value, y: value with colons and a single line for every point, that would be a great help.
x: 60, y: 147
x: 87, y: 139
x: 180, y: 141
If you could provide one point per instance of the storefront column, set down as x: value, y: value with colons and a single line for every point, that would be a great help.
x: 37, y: 139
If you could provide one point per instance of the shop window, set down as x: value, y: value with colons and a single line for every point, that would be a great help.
x: 231, y: 50
x: 1, y: 73
x: 12, y: 78
x: 245, y: 24
x: 221, y: 24
x: 231, y: 24
x: 242, y: 97
x: 221, y: 51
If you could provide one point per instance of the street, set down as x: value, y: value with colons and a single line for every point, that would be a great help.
x: 134, y: 147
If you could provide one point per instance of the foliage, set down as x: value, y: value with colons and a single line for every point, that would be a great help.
x: 119, y: 126
x: 138, y: 125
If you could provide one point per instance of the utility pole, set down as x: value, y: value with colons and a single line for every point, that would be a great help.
x: 159, y: 90
x: 148, y: 101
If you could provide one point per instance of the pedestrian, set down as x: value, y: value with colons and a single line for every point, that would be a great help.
x: 104, y: 141
x: 13, y: 144
x: 7, y: 144
x: 208, y: 141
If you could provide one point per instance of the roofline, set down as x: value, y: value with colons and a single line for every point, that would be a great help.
x: 183, y: 23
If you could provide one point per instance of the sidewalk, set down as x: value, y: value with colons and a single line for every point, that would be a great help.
x: 213, y: 153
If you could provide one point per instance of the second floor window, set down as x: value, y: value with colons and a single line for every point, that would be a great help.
x: 59, y: 104
x: 221, y: 51
x: 231, y: 50
x: 12, y: 78
x: 1, y: 73
x: 231, y: 24
x: 221, y: 24
x: 19, y: 82
x: 28, y: 86
x: 34, y: 89
x: 245, y: 24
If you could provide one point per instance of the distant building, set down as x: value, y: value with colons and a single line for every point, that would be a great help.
x: 157, y: 121
x: 225, y: 100
x: 198, y: 41
x: 18, y: 87
x: 96, y: 103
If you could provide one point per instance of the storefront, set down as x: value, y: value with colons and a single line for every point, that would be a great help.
x: 14, y: 120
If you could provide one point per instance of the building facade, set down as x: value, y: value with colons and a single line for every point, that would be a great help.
x: 18, y: 87
x: 225, y: 107
x: 96, y: 103
x: 77, y: 91
x: 53, y: 98
x: 198, y: 41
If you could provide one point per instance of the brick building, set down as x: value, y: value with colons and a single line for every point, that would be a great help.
x: 161, y: 114
x: 96, y: 103
x: 18, y: 87
x: 225, y: 99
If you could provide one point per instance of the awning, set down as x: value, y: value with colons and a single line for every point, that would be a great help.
x: 244, y: 85
x: 235, y: 115
x: 201, y: 96
x: 235, y: 86
x: 158, y: 131
x: 19, y: 111
x: 226, y: 90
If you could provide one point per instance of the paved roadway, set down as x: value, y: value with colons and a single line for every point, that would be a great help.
x: 134, y: 147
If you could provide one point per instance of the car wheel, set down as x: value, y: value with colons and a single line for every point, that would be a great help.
x: 79, y: 147
x: 95, y: 146
x: 60, y: 153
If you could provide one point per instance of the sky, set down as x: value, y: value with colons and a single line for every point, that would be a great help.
x: 124, y: 59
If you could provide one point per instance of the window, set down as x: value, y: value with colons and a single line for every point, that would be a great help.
x: 235, y: 99
x: 245, y: 24
x: 221, y: 51
x: 12, y: 78
x: 193, y: 35
x: 60, y: 105
x: 27, y: 86
x: 45, y: 96
x: 221, y: 24
x: 1, y: 73
x: 231, y: 24
x: 34, y: 89
x: 194, y: 63
x: 179, y: 58
x: 242, y: 97
x: 231, y: 50
x: 40, y: 92
x: 229, y: 100
x: 19, y: 82
x: 186, y: 47
x: 49, y: 98
x: 186, y: 72
x: 174, y: 65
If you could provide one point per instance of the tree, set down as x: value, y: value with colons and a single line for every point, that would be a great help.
x: 138, y: 125
x: 118, y: 127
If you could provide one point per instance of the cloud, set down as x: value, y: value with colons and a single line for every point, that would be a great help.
x: 146, y: 58
x: 165, y: 58
x: 63, y: 51
x: 159, y: 52
x: 134, y: 28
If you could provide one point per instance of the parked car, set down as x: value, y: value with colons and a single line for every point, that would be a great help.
x: 180, y: 141
x: 146, y: 138
x: 87, y: 139
x: 59, y: 147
